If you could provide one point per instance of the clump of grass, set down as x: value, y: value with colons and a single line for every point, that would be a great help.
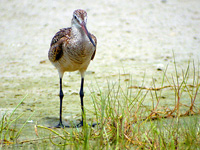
x: 8, y: 133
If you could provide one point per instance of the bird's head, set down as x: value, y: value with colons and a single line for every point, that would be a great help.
x: 79, y: 20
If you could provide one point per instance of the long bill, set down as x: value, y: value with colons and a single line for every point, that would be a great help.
x: 83, y: 25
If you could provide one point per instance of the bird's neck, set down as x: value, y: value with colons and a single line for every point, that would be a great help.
x: 79, y: 34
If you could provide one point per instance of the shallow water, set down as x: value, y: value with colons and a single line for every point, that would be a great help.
x: 135, y: 38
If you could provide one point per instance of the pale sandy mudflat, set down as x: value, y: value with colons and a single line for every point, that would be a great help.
x: 135, y: 38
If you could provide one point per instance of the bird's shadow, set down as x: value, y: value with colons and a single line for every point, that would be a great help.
x: 53, y: 122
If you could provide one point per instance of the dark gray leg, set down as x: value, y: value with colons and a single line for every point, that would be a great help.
x: 82, y: 106
x: 60, y: 124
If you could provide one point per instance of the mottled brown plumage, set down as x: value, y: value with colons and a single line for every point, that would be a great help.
x: 72, y: 49
x: 56, y: 50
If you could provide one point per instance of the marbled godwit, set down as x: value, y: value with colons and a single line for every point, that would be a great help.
x: 72, y: 49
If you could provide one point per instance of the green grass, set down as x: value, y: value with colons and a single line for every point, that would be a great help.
x: 162, y: 116
x: 8, y: 133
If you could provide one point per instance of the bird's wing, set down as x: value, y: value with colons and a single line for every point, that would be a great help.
x: 95, y: 41
x: 56, y: 51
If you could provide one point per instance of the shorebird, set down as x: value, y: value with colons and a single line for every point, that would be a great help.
x: 72, y: 49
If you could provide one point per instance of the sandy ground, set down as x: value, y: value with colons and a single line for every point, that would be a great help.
x: 134, y: 37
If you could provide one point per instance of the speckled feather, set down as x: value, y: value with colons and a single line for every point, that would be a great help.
x: 95, y: 41
x: 56, y: 50
x: 65, y: 32
x: 81, y: 13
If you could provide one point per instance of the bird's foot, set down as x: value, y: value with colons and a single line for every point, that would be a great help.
x: 80, y: 124
x: 60, y: 125
x: 94, y: 124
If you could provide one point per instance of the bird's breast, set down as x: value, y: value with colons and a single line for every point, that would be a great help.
x: 78, y: 52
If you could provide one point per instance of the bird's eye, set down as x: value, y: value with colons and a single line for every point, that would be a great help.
x: 75, y: 17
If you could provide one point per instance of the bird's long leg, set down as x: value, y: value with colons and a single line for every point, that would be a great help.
x: 83, y: 121
x: 60, y: 124
x: 82, y: 106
